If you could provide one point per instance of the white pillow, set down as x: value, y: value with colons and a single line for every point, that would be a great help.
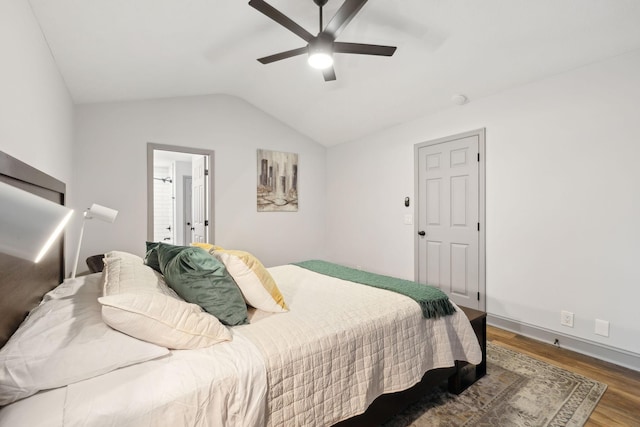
x: 124, y: 272
x: 138, y: 302
x: 163, y: 320
x: 63, y: 341
x: 256, y: 284
x: 122, y: 254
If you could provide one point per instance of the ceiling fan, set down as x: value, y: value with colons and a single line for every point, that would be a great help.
x: 321, y: 47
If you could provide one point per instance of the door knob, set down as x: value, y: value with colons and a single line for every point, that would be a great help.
x: 422, y: 233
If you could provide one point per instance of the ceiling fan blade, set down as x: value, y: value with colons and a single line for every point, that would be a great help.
x: 283, y: 55
x: 329, y: 74
x: 343, y: 16
x: 363, y: 49
x: 281, y: 19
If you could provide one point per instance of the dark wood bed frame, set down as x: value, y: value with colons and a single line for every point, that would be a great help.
x: 23, y: 283
x: 386, y: 406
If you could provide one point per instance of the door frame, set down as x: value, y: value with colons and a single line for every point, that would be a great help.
x: 482, y: 271
x: 151, y: 147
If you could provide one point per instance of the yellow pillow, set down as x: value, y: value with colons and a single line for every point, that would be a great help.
x: 207, y: 247
x: 256, y: 284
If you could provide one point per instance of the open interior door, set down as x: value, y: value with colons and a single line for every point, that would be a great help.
x: 199, y: 223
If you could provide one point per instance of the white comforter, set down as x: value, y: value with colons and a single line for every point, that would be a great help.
x: 222, y: 385
x: 343, y: 344
x: 339, y: 347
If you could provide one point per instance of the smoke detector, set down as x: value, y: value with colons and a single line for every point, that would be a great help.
x: 459, y: 99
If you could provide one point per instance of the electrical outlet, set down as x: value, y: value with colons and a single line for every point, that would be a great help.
x: 566, y: 318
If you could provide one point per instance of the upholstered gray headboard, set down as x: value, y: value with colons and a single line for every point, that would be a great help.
x: 23, y: 283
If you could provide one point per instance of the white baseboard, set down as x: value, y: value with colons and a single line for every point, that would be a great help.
x: 579, y: 345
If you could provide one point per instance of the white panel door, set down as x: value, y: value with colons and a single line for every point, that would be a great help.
x: 187, y: 207
x: 198, y: 199
x: 448, y: 218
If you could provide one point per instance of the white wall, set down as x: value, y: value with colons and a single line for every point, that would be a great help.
x: 563, y: 199
x: 111, y: 146
x: 36, y: 111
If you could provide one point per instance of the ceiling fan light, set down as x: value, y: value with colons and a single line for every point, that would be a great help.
x: 320, y: 60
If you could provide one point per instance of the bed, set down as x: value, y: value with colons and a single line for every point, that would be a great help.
x: 339, y: 348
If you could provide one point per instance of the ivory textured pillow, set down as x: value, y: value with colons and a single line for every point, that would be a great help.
x: 128, y: 273
x: 256, y: 284
x: 163, y: 320
x: 138, y: 302
x: 123, y: 255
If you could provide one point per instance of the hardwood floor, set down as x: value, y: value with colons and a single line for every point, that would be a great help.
x: 620, y: 404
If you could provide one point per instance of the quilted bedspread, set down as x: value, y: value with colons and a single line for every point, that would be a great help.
x: 343, y: 344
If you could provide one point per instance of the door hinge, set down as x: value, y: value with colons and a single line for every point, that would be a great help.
x: 478, y: 296
x: 478, y: 156
x: 206, y: 172
x: 206, y: 222
x: 478, y: 226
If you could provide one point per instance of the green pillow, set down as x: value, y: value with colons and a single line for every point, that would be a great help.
x: 151, y: 257
x: 201, y: 279
x: 165, y: 252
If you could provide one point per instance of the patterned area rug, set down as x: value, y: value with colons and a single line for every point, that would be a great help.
x: 517, y: 391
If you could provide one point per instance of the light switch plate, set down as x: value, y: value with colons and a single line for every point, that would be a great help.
x: 408, y: 219
x: 602, y: 328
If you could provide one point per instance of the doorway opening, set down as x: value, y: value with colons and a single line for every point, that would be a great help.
x: 179, y: 194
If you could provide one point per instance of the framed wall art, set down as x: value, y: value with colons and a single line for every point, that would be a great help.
x: 277, y: 181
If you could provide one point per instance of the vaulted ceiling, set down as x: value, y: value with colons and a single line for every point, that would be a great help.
x: 111, y: 50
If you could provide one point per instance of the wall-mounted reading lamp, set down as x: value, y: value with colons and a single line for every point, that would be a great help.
x: 94, y: 212
x: 29, y: 224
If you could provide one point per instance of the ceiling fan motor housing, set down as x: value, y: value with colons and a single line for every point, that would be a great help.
x: 322, y: 43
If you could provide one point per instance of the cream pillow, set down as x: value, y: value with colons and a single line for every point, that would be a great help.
x: 125, y: 272
x: 163, y: 320
x: 122, y: 255
x: 256, y: 284
x: 137, y: 301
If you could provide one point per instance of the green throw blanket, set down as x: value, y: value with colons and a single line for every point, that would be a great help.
x: 433, y: 302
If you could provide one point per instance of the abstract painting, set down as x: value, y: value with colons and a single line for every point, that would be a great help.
x: 277, y: 181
